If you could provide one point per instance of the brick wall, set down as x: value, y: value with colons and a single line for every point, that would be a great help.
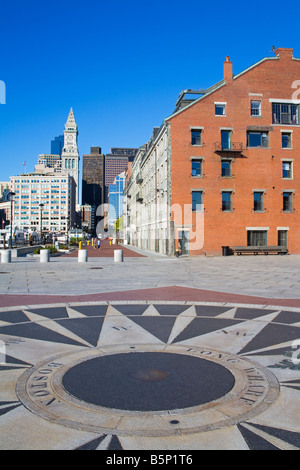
x: 253, y: 168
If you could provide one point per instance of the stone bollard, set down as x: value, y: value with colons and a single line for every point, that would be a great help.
x: 118, y: 256
x: 5, y: 256
x: 44, y: 256
x: 82, y: 256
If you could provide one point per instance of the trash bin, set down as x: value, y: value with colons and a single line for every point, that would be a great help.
x: 225, y: 250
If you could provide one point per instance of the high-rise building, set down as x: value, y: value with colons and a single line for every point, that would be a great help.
x: 57, y: 145
x: 49, y: 161
x: 115, y: 198
x: 93, y: 177
x: 44, y: 202
x: 70, y: 154
x: 115, y: 163
x: 4, y: 187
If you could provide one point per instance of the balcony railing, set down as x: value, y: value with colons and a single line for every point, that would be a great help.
x: 139, y: 179
x: 231, y: 147
x: 139, y: 197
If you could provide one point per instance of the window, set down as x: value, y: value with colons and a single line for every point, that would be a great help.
x: 226, y: 168
x: 287, y: 201
x: 257, y: 238
x: 220, y: 109
x: 282, y: 238
x: 226, y: 201
x: 196, y: 167
x: 196, y: 135
x: 258, y: 199
x: 287, y: 170
x: 197, y: 201
x: 226, y: 139
x: 255, y: 108
x: 258, y: 139
x: 285, y: 113
x: 286, y: 138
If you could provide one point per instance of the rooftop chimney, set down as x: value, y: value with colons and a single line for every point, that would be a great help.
x: 228, y: 75
x: 284, y: 53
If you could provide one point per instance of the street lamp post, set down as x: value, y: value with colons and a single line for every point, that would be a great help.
x: 11, y: 195
x: 41, y: 220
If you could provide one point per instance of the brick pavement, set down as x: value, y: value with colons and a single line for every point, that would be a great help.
x: 106, y: 250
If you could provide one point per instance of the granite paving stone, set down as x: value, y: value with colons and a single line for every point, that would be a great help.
x: 208, y: 340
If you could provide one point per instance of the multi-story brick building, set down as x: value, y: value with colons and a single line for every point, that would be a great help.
x: 230, y: 162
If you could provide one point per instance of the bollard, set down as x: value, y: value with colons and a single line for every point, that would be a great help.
x: 80, y: 245
x: 5, y: 256
x: 118, y: 256
x: 82, y: 256
x: 44, y: 256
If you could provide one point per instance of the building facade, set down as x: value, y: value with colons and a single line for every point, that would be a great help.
x: 115, y: 163
x: 57, y: 145
x: 44, y: 202
x: 87, y: 218
x: 115, y: 201
x: 146, y: 204
x: 93, y: 177
x: 230, y: 164
x: 70, y: 153
x: 47, y: 161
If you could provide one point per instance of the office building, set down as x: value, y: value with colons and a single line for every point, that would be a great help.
x: 44, y: 202
x: 93, y: 177
x: 57, y: 145
x: 115, y: 163
x: 115, y: 199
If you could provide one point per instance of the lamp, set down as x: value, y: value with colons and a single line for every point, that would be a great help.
x: 41, y: 227
x: 11, y: 195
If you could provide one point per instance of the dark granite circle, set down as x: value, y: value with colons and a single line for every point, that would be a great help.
x: 148, y: 381
x: 149, y: 375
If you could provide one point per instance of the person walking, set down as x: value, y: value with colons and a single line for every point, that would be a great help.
x: 98, y: 243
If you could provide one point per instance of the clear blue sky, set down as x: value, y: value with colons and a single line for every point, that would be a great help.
x: 120, y: 64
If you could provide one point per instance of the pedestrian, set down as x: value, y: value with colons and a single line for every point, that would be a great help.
x: 98, y: 243
x: 94, y: 243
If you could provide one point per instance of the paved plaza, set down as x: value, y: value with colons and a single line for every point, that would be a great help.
x: 152, y: 353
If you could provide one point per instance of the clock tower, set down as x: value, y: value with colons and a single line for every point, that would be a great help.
x: 70, y: 154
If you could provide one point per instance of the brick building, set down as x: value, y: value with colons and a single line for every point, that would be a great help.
x: 230, y: 162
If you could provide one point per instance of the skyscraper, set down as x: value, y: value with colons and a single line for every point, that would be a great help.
x: 93, y: 177
x: 70, y: 154
x: 57, y: 145
x: 115, y: 197
x: 115, y: 163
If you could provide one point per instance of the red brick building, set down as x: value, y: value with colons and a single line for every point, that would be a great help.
x: 235, y: 156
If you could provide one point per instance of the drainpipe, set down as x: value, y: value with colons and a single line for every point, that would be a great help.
x: 168, y: 191
x: 155, y: 190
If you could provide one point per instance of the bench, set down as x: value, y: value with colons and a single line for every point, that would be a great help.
x: 256, y: 250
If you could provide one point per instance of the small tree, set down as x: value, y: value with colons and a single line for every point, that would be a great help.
x: 118, y: 226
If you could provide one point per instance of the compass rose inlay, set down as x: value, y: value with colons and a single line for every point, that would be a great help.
x: 110, y: 375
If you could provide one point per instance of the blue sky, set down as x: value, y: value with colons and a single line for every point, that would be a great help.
x: 121, y: 65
